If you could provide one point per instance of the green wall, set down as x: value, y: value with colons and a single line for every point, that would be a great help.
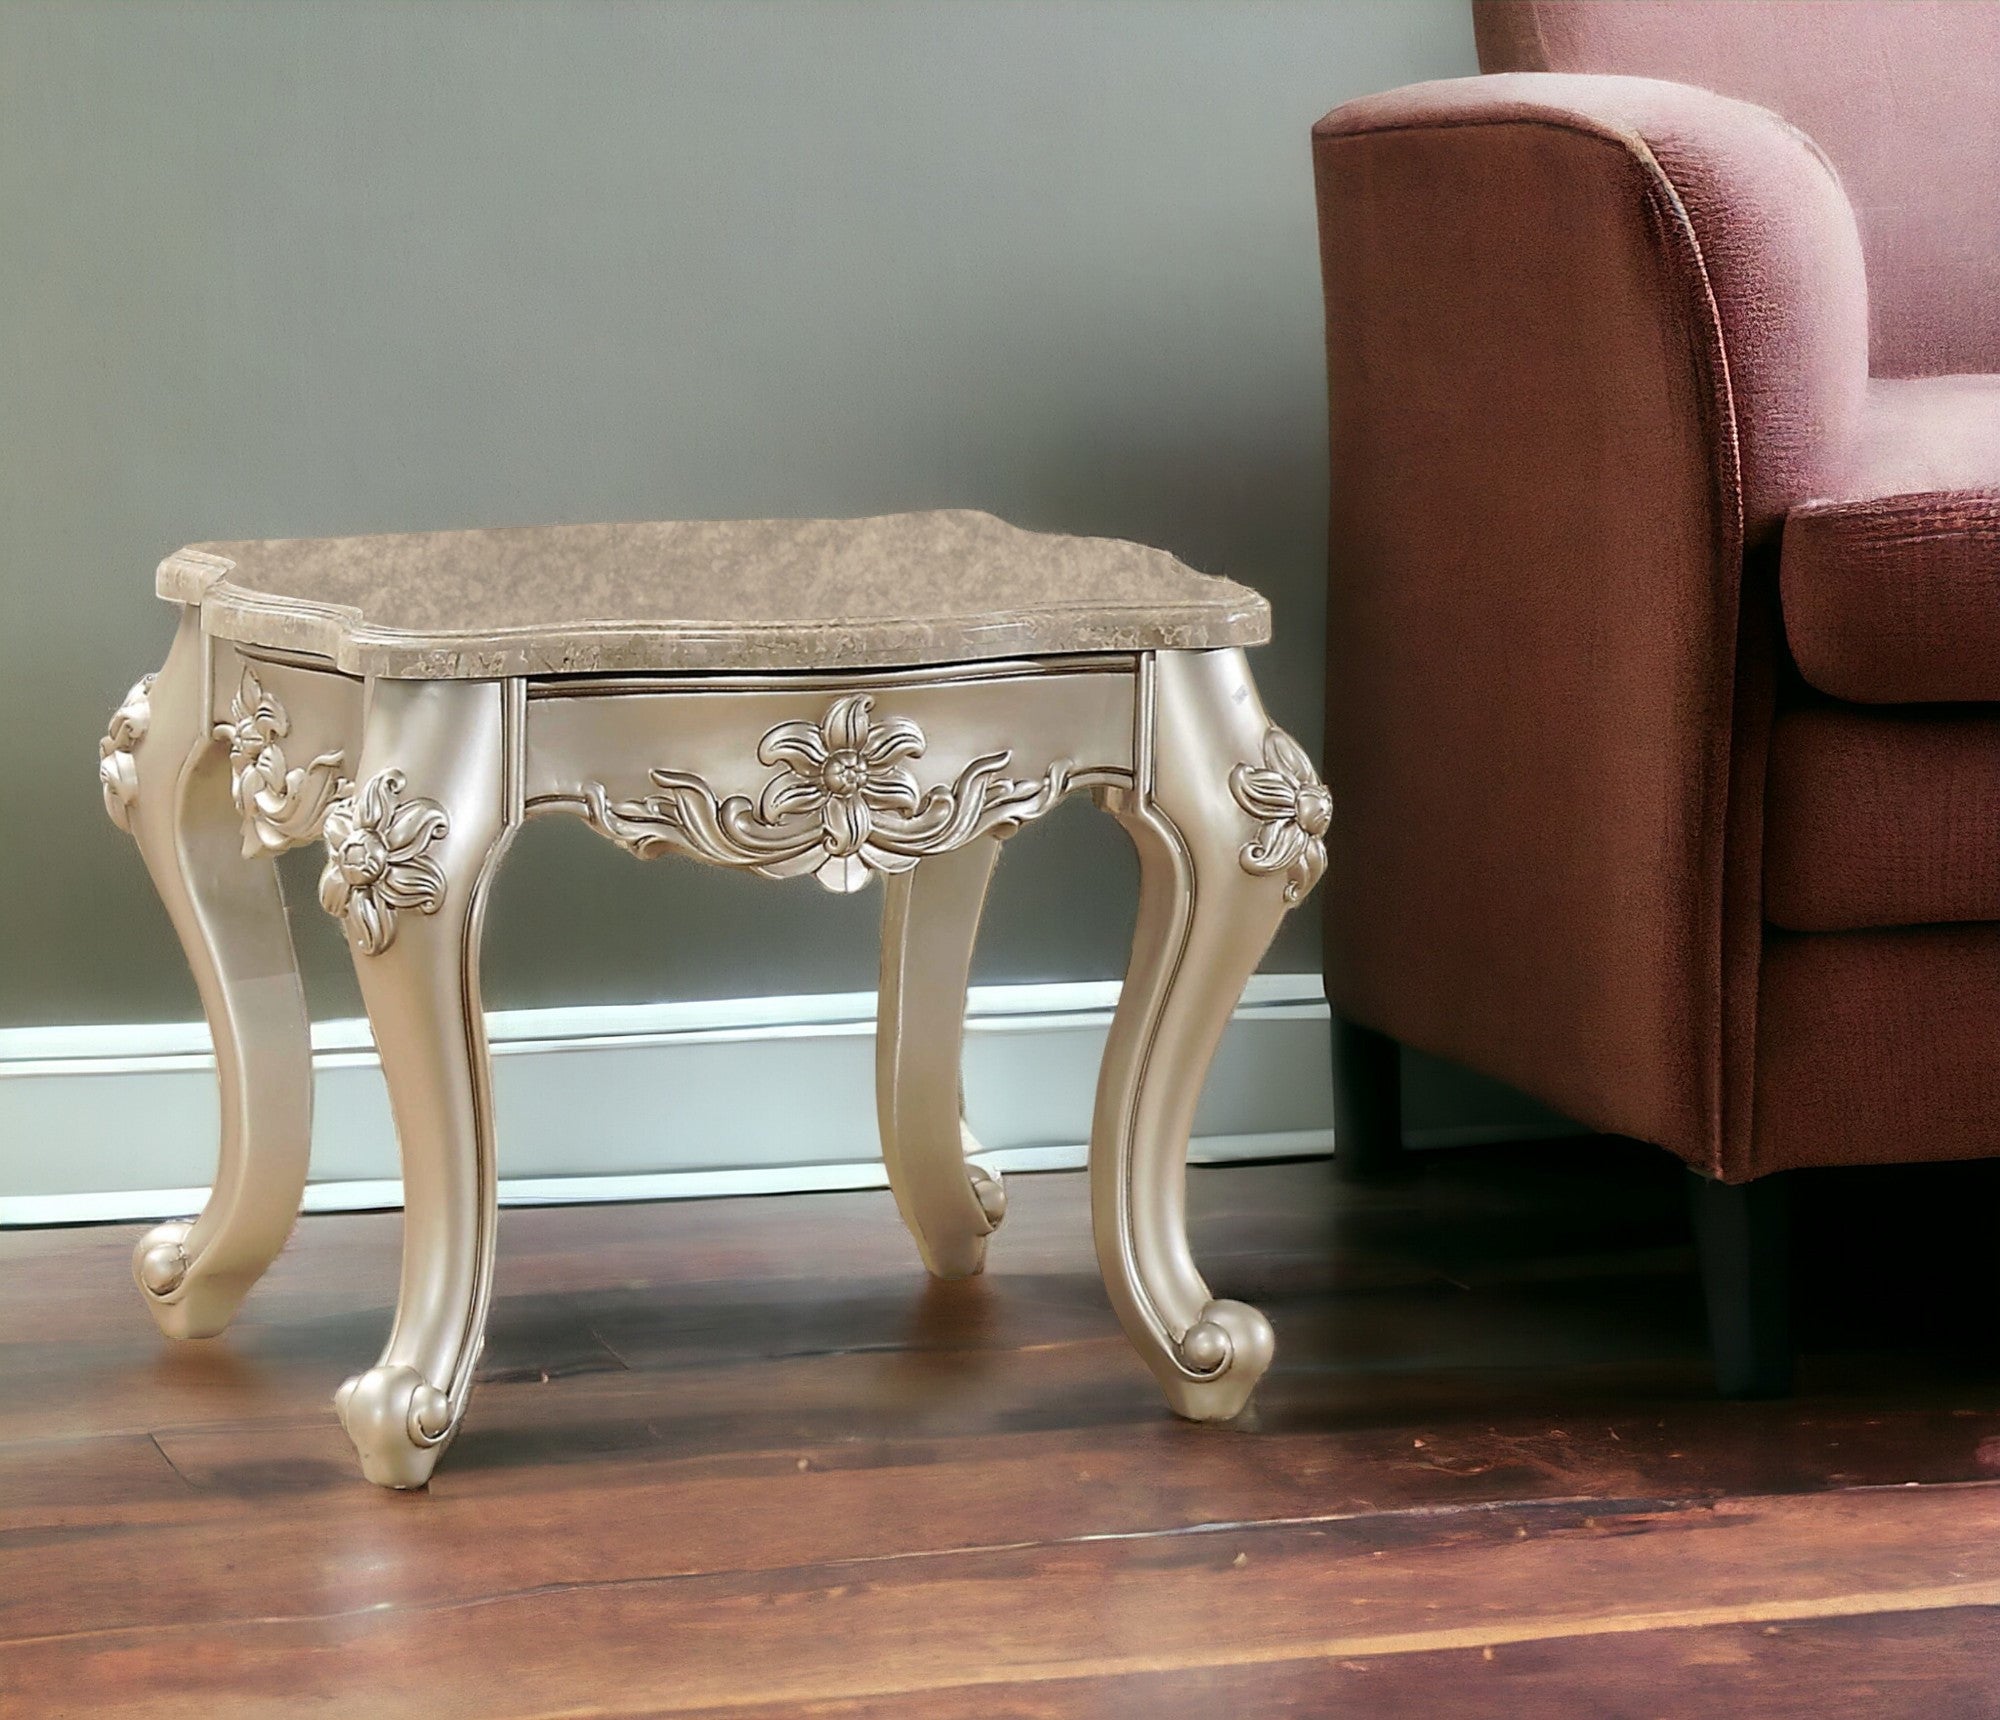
x: 298, y: 269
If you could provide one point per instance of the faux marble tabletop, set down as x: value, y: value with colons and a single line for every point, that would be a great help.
x: 717, y: 595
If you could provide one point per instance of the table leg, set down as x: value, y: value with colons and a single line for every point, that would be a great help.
x: 1229, y: 822
x: 166, y: 779
x: 930, y: 920
x: 410, y: 855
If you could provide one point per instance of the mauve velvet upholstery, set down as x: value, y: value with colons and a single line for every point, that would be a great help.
x: 1904, y: 96
x: 1877, y: 1047
x: 1883, y: 818
x: 1613, y: 494
x: 1892, y: 581
x: 1741, y: 224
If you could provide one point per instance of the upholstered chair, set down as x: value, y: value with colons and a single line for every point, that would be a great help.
x: 1664, y: 622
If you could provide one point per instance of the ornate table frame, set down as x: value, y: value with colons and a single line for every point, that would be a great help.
x: 232, y: 754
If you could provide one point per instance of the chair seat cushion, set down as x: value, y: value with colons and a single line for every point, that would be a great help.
x: 1882, y: 818
x: 1891, y: 587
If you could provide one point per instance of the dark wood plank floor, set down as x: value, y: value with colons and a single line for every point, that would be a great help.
x: 740, y: 1457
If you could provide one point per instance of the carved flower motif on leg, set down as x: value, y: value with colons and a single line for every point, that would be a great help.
x: 1294, y: 810
x: 117, y: 769
x: 376, y: 865
x: 280, y: 807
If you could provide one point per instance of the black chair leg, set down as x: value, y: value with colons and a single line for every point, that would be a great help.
x: 1367, y: 1105
x: 1742, y: 1234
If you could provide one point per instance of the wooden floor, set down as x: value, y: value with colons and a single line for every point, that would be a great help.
x: 740, y: 1457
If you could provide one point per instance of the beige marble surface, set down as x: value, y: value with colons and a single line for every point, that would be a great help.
x: 918, y: 588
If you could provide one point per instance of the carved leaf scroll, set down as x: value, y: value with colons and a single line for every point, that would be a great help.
x: 841, y: 805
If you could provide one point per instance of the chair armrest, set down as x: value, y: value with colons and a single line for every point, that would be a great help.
x: 1586, y: 338
x: 1759, y: 253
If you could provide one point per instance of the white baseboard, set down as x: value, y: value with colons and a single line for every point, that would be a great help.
x: 637, y: 1102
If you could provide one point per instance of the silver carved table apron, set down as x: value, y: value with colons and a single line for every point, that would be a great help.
x: 839, y: 698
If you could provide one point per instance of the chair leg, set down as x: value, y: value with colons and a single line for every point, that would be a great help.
x: 1742, y: 1236
x: 1367, y: 1105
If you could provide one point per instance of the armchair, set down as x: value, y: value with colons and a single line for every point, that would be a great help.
x: 1663, y: 715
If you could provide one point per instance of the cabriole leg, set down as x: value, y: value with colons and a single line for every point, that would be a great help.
x: 410, y: 854
x: 930, y: 920
x: 166, y: 779
x: 1229, y: 821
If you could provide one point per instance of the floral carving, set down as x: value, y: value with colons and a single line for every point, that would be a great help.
x: 1293, y: 810
x: 376, y: 862
x: 841, y: 806
x: 280, y: 807
x: 117, y: 769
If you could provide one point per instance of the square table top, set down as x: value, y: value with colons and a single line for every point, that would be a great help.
x: 706, y: 595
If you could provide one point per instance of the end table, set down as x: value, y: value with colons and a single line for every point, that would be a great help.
x: 833, y: 698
